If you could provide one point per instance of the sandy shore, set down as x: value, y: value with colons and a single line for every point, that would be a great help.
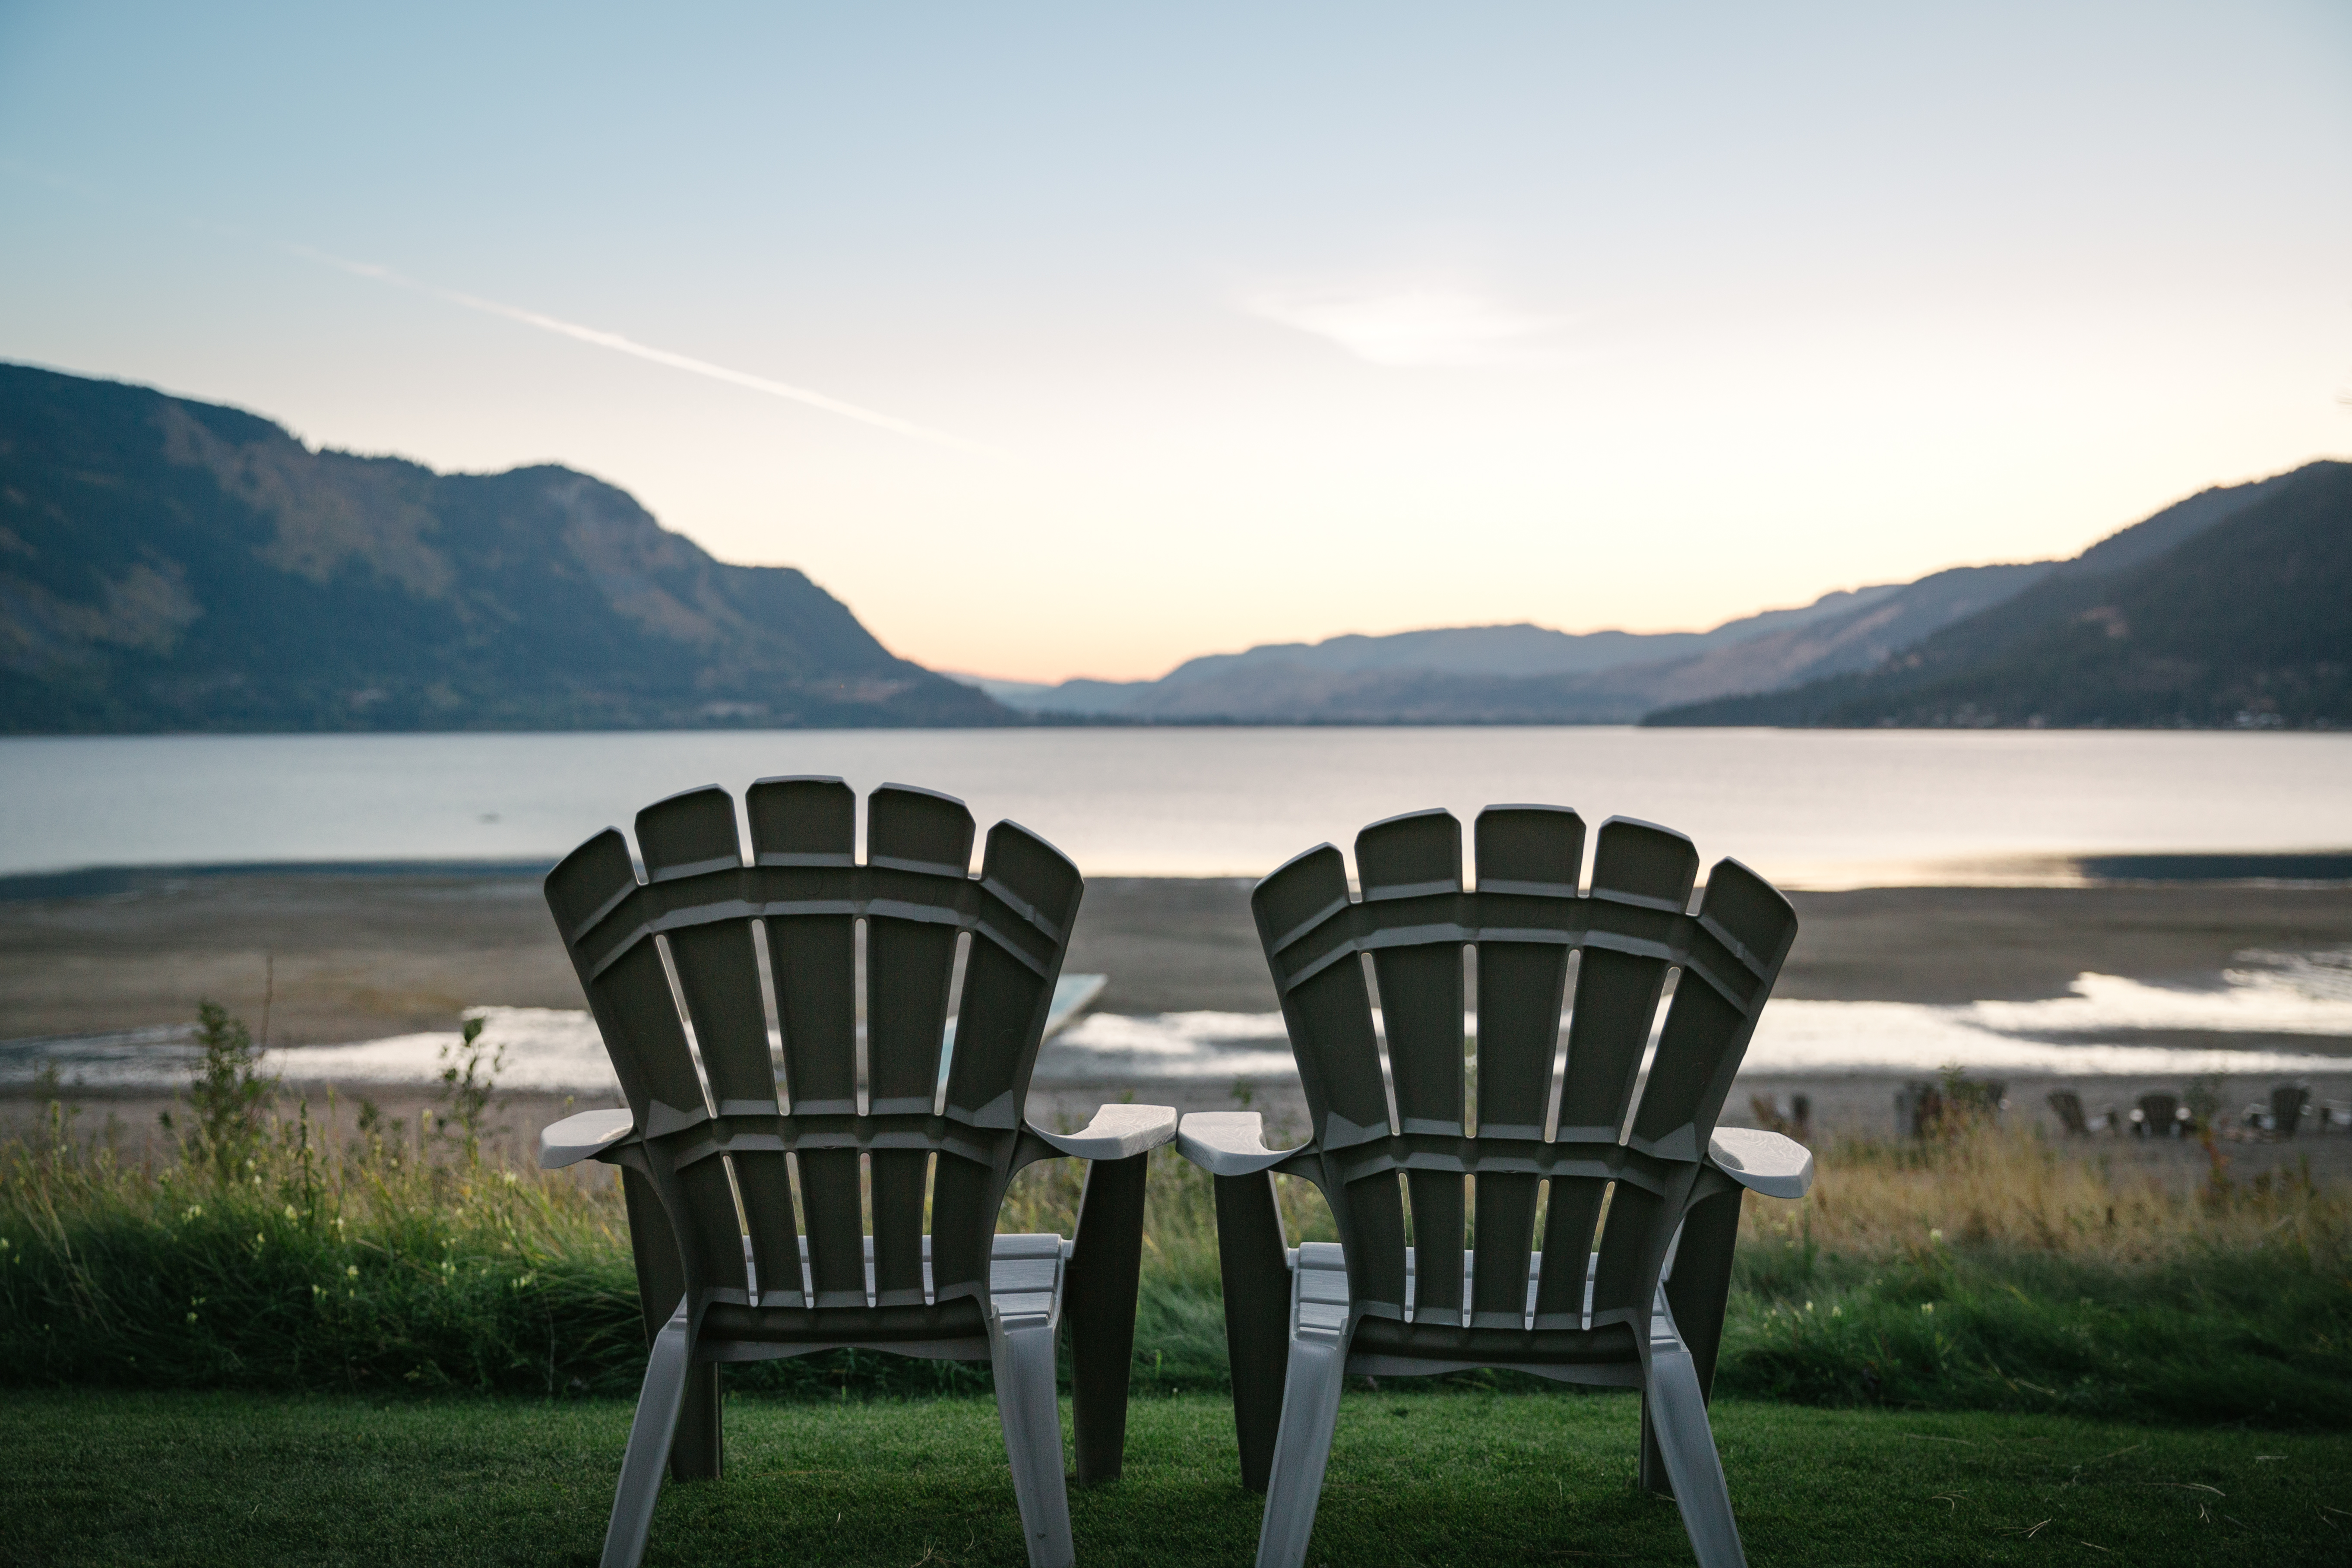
x: 359, y: 956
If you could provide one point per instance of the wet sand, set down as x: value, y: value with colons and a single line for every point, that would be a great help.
x: 358, y: 956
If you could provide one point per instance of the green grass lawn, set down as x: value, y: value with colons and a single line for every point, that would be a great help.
x: 1435, y: 1476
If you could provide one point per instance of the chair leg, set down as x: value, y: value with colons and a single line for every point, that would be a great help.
x: 1032, y: 1416
x: 697, y: 1453
x: 1099, y: 1304
x: 1696, y: 1291
x: 1310, y: 1408
x: 650, y: 1433
x: 1254, y: 1264
x: 1675, y: 1411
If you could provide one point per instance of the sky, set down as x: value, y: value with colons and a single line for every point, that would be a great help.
x: 1077, y: 340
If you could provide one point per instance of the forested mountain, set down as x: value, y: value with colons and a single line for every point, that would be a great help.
x: 2241, y: 620
x: 167, y: 564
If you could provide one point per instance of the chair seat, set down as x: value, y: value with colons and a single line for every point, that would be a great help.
x: 1026, y: 1278
x: 1606, y: 1354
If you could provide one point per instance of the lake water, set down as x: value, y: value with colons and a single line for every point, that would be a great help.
x: 1813, y: 808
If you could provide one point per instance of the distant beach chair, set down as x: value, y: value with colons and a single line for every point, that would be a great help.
x: 1924, y: 1109
x: 1793, y: 1120
x: 1643, y: 1308
x: 2158, y: 1115
x: 2289, y: 1103
x: 2072, y: 1120
x: 877, y: 1108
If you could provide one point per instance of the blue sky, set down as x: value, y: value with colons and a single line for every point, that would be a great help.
x: 1190, y: 327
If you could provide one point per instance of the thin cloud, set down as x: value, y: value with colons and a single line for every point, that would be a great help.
x: 620, y: 344
x: 1413, y: 327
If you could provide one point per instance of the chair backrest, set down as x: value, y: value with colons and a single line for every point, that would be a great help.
x: 1530, y: 924
x: 2158, y: 1113
x: 2069, y: 1107
x: 719, y: 1117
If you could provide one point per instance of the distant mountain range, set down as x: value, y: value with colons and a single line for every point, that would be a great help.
x: 1812, y: 665
x: 2232, y: 615
x: 167, y: 564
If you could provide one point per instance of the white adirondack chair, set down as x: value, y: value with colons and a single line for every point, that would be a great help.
x: 1641, y: 1306
x: 921, y: 1107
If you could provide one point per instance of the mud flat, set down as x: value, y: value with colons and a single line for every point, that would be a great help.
x: 359, y: 953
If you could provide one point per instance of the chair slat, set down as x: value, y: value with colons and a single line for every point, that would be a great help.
x: 1617, y: 993
x: 899, y: 1180
x: 1569, y: 1215
x: 1421, y: 1013
x: 813, y: 959
x: 1330, y: 1014
x: 834, y: 1207
x: 809, y: 820
x: 718, y: 976
x: 1705, y: 1036
x: 718, y: 1236
x: 1402, y: 857
x: 718, y: 969
x: 1003, y: 999
x: 1370, y: 1211
x: 688, y: 833
x: 909, y: 966
x: 1437, y: 1232
x: 1506, y: 1221
x: 634, y: 1003
x: 1521, y: 985
x: 1616, y: 1003
x: 1632, y: 1251
x: 963, y: 1216
x: 764, y: 1178
x: 918, y: 829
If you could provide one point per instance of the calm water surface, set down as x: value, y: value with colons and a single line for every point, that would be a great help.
x: 1820, y: 808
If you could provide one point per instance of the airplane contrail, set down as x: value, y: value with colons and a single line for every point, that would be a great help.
x: 686, y: 362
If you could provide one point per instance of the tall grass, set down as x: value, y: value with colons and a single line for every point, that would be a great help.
x: 1991, y: 1269
x: 297, y: 1248
x: 309, y: 1260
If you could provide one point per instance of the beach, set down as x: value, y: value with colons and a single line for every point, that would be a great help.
x: 351, y: 955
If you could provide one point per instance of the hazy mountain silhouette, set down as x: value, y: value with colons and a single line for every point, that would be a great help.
x: 2232, y: 609
x: 167, y: 564
x: 1527, y: 674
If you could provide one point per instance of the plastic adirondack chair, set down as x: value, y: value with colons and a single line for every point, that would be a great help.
x: 917, y: 1113
x: 1644, y: 1307
x: 2288, y: 1104
x: 2157, y: 1115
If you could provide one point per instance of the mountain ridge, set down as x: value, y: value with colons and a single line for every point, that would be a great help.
x: 1520, y: 673
x: 2243, y: 620
x: 171, y: 565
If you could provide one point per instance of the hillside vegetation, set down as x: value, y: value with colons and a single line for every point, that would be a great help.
x: 2245, y: 623
x: 166, y: 564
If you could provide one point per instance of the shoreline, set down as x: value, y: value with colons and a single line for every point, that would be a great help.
x: 354, y: 953
x: 349, y: 955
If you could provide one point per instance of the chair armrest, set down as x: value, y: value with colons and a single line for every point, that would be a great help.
x: 1228, y: 1143
x: 1116, y: 1132
x: 577, y: 1138
x: 1762, y: 1162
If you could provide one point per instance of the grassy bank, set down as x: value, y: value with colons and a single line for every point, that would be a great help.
x: 317, y: 1250
x: 1460, y: 1476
